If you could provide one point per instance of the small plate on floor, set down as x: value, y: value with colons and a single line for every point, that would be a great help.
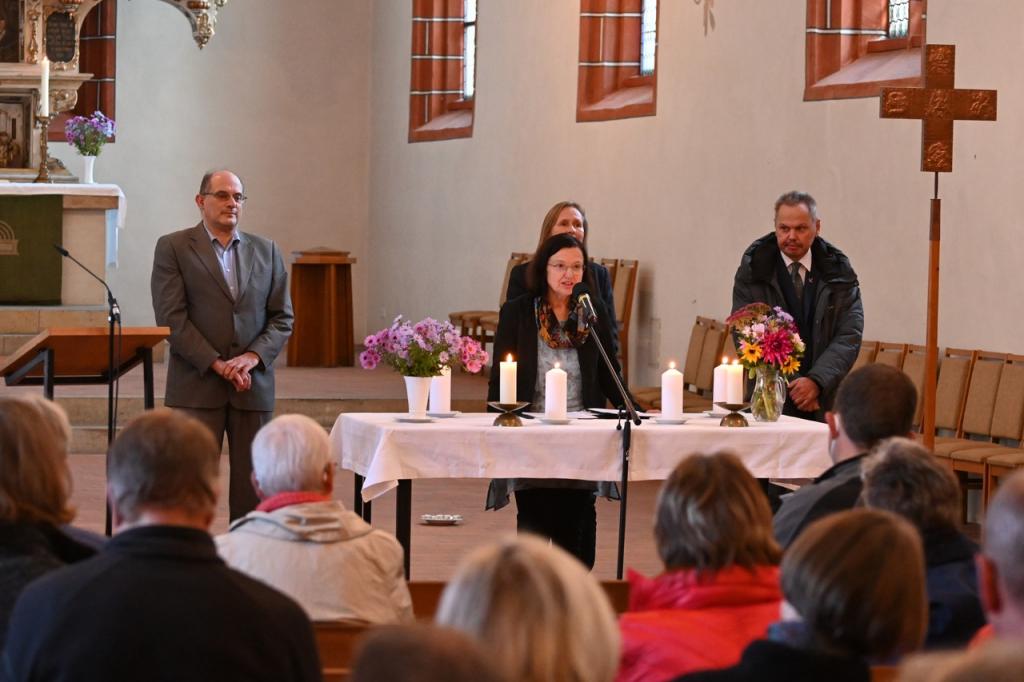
x: 441, y: 519
x: 411, y: 419
x: 558, y: 422
x: 670, y: 420
x: 444, y: 415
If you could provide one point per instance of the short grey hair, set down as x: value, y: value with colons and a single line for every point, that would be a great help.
x: 163, y: 459
x: 903, y: 477
x: 1003, y: 534
x: 537, y: 609
x: 795, y: 198
x: 290, y: 454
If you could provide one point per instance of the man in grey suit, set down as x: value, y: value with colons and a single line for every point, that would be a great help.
x: 224, y: 294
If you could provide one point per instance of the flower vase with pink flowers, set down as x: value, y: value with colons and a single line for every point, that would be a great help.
x: 419, y: 351
x: 770, y: 348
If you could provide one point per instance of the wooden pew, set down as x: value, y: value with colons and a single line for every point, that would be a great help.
x: 337, y: 642
x: 426, y: 596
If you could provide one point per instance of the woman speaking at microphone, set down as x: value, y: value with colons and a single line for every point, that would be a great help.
x: 540, y: 328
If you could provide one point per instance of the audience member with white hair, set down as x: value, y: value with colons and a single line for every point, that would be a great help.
x: 302, y: 542
x: 35, y: 485
x: 1001, y: 561
x: 537, y: 611
x: 903, y: 477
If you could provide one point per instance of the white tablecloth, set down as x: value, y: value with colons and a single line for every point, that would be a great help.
x: 383, y: 450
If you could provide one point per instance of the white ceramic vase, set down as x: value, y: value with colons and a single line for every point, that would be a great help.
x: 87, y: 169
x: 417, y: 391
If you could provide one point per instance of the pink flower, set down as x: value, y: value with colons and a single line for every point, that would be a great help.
x: 776, y: 347
x: 368, y: 359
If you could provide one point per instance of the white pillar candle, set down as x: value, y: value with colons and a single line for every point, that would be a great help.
x: 44, y: 88
x: 718, y: 392
x: 507, y: 381
x: 441, y: 391
x: 734, y: 384
x: 555, y: 393
x: 672, y: 391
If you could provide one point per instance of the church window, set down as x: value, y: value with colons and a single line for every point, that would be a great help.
x: 899, y: 18
x: 855, y: 48
x: 443, y: 79
x: 617, y: 62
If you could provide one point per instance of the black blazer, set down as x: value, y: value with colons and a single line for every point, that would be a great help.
x: 517, y: 334
x: 598, y: 273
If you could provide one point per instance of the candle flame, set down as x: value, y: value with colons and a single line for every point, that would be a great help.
x: 725, y: 360
x: 557, y: 365
x: 735, y: 362
x: 508, y: 358
x: 672, y: 364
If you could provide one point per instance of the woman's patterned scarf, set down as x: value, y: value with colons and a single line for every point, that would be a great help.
x: 572, y: 334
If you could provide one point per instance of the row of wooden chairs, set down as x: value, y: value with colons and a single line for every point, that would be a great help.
x: 482, y: 324
x: 979, y: 408
x: 337, y: 642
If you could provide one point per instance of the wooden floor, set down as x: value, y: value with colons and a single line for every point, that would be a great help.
x: 435, y: 550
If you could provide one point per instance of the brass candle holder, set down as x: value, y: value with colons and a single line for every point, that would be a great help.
x: 508, y: 416
x: 734, y: 418
x: 43, y: 122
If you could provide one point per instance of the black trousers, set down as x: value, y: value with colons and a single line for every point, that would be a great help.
x: 566, y: 516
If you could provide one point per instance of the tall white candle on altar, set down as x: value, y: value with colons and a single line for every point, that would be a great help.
x: 44, y: 88
x: 672, y: 391
x: 441, y: 391
x: 734, y: 384
x: 555, y: 393
x: 718, y: 390
x: 507, y: 381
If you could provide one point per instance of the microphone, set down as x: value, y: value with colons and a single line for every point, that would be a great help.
x: 581, y: 292
x: 115, y: 310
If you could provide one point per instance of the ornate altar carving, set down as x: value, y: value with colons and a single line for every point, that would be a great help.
x: 202, y: 16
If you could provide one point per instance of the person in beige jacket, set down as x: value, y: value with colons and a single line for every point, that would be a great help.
x: 307, y: 545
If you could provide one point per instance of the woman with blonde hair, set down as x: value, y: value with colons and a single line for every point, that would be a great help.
x: 720, y: 588
x: 35, y: 484
x: 853, y: 585
x: 539, y: 614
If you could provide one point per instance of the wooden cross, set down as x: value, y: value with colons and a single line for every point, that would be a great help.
x: 937, y: 104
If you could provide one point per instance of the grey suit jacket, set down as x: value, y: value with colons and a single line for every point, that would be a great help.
x: 191, y: 297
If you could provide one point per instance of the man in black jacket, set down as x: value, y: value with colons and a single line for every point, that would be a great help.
x: 795, y: 269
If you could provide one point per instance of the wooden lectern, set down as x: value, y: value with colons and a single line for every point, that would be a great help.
x: 78, y: 355
x: 322, y: 299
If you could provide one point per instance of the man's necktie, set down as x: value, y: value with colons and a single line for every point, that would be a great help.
x: 798, y: 282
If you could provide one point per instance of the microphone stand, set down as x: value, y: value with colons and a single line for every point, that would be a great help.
x: 627, y: 438
x: 113, y: 317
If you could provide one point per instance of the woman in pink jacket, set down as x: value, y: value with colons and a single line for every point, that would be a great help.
x: 720, y: 589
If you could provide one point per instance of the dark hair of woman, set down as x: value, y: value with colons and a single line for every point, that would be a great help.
x: 537, y: 275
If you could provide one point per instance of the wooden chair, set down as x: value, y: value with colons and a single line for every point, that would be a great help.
x: 885, y: 673
x: 729, y: 352
x: 891, y: 354
x: 913, y: 367
x: 624, y: 290
x: 710, y: 356
x: 337, y: 643
x: 468, y: 321
x: 998, y: 466
x: 951, y: 391
x: 979, y: 404
x: 618, y: 594
x: 866, y: 354
x: 694, y: 349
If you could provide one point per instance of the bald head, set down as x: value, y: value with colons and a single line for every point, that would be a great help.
x: 1004, y: 536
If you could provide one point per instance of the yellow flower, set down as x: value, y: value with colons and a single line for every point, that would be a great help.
x: 791, y: 365
x: 749, y: 352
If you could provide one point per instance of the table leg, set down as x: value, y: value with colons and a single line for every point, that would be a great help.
x: 403, y: 520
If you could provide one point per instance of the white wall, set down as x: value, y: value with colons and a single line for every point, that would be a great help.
x: 687, y: 190
x: 279, y: 95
